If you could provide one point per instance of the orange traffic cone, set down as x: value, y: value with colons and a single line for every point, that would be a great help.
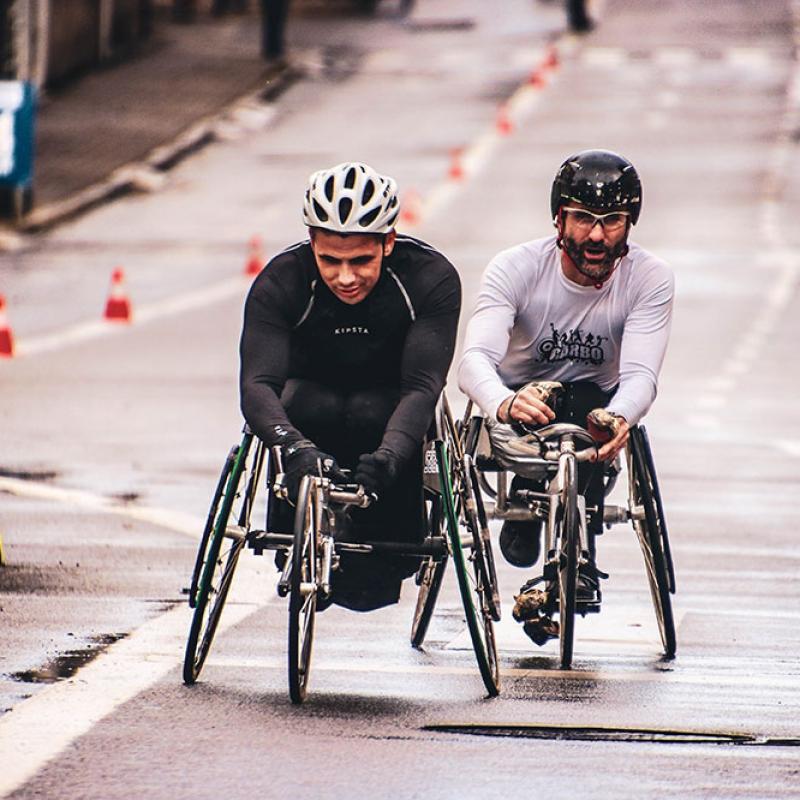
x: 118, y: 306
x: 551, y: 58
x: 503, y: 123
x: 6, y: 336
x: 410, y: 208
x: 456, y: 171
x: 537, y: 79
x: 255, y: 258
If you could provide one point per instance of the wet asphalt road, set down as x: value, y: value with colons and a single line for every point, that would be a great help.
x: 112, y: 442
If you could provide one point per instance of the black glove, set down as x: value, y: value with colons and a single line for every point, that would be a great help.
x: 377, y: 471
x: 304, y: 458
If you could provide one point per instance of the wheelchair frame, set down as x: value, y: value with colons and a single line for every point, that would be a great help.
x: 565, y: 514
x: 312, y: 551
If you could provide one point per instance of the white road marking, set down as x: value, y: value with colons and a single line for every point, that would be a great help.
x: 750, y: 57
x: 126, y: 669
x: 791, y: 448
x: 93, y: 329
x: 675, y: 57
x: 129, y: 666
x: 162, y: 517
x: 604, y: 56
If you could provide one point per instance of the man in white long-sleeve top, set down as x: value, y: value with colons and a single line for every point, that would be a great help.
x: 585, y: 307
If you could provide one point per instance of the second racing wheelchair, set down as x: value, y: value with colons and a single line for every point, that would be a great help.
x: 547, y: 458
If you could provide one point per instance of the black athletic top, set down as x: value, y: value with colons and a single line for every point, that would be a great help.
x: 401, y: 336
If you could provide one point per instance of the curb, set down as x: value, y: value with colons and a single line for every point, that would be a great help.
x: 148, y: 174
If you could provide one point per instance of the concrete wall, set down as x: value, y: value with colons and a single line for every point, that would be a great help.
x: 74, y: 38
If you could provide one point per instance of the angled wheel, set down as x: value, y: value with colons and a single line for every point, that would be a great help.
x: 202, y: 550
x: 429, y: 578
x: 468, y: 500
x: 220, y: 547
x: 473, y: 584
x: 569, y: 552
x: 475, y: 516
x: 649, y: 523
x: 303, y: 588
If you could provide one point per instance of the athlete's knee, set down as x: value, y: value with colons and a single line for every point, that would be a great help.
x: 311, y: 405
x: 369, y: 410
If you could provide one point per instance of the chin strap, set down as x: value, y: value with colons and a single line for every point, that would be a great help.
x: 600, y: 284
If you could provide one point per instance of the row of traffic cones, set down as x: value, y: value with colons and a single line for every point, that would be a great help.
x: 504, y: 125
x: 118, y: 305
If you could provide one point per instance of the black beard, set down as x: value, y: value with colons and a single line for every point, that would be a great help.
x: 597, y: 271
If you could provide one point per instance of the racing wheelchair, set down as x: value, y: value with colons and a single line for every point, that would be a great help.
x: 313, y: 551
x: 549, y: 457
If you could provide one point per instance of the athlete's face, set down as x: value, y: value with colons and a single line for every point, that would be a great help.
x: 350, y: 265
x: 592, y: 249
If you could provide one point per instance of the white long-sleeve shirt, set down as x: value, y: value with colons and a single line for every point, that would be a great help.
x: 532, y: 323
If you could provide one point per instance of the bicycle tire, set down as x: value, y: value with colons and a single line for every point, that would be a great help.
x: 646, y: 524
x: 303, y: 590
x: 430, y: 576
x: 569, y: 551
x: 218, y: 565
x: 479, y: 619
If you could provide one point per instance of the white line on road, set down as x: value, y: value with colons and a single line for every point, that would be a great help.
x: 71, y: 708
x: 162, y: 517
x: 129, y: 666
x: 94, y: 329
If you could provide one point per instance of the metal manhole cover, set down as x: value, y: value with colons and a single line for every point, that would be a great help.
x: 430, y: 25
x: 610, y: 734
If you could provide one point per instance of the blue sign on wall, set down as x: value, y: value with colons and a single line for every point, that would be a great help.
x: 17, y: 113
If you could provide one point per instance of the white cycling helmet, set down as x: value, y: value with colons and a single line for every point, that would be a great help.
x: 351, y: 198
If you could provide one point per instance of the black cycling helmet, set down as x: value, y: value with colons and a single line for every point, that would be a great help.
x: 598, y: 179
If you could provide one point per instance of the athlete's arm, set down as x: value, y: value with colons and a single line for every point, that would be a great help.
x: 427, y: 355
x: 264, y: 351
x: 644, y: 344
x: 486, y: 341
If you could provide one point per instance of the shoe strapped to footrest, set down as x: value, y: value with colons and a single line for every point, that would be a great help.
x: 588, y: 590
x: 541, y: 630
x: 530, y: 608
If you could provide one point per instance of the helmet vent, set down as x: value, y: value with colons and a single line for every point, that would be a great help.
x: 329, y: 189
x: 369, y: 190
x: 345, y: 207
x: 369, y: 217
x: 322, y: 215
x: 350, y: 179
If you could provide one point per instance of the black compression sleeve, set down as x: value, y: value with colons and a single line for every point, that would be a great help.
x: 264, y: 352
x: 427, y: 355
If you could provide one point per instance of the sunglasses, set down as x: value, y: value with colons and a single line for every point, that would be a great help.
x: 586, y: 220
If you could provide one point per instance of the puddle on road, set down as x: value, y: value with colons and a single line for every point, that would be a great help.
x: 67, y: 664
x: 608, y: 734
x: 28, y: 474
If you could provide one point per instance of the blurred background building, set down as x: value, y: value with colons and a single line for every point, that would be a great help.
x: 47, y: 42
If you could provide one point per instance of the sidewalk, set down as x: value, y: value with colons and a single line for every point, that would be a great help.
x: 117, y: 130
x: 152, y: 109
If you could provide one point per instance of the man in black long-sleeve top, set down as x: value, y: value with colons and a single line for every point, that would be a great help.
x: 346, y: 345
